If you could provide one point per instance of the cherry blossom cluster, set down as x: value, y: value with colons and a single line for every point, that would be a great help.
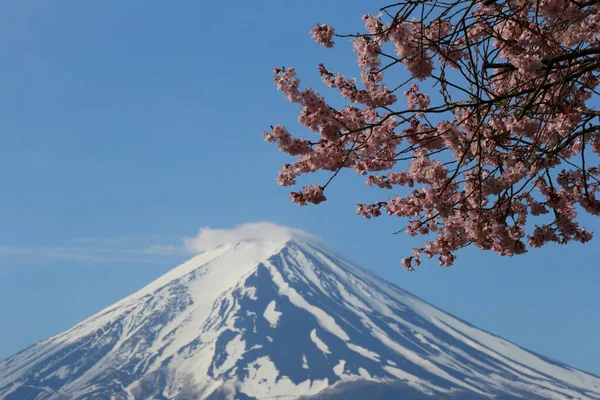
x: 322, y: 34
x: 497, y: 144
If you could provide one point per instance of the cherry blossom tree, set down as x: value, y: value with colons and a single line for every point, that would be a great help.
x: 499, y: 150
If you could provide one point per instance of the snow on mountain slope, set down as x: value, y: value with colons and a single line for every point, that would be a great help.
x: 280, y: 317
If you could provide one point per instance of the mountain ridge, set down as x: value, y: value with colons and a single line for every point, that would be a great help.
x: 287, y: 318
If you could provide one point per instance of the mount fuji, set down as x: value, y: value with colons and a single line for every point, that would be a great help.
x: 281, y: 316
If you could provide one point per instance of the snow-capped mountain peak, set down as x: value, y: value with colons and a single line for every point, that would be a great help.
x: 275, y: 313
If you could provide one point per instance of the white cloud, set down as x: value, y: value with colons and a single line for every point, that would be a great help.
x: 209, y: 238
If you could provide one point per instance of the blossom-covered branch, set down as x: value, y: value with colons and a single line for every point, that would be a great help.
x: 494, y: 123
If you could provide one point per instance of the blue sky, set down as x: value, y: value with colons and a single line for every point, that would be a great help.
x: 127, y: 126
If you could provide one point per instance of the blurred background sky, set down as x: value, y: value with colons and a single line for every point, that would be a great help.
x: 128, y: 125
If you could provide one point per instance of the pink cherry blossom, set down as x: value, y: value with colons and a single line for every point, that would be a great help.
x: 312, y: 194
x: 322, y: 34
x: 498, y: 143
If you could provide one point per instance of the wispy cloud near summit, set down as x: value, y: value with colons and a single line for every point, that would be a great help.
x: 144, y: 249
x: 151, y: 249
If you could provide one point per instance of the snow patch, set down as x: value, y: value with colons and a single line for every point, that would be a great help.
x: 61, y: 373
x: 262, y: 382
x: 304, y: 361
x: 318, y: 342
x: 235, y: 350
x: 339, y: 370
x: 363, y: 352
x: 271, y: 314
x: 364, y: 373
x: 250, y: 291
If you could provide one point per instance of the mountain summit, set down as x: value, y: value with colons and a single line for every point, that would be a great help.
x: 280, y: 315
